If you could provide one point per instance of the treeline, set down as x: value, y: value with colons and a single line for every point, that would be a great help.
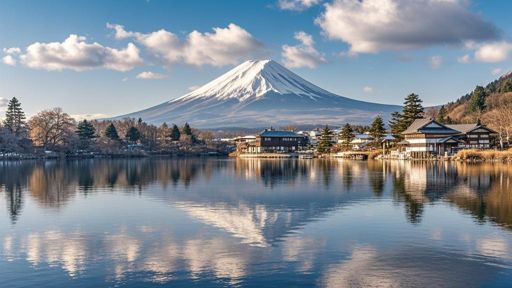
x: 400, y: 120
x: 490, y: 104
x: 55, y: 130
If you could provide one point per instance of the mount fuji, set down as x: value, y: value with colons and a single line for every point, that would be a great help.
x: 258, y: 94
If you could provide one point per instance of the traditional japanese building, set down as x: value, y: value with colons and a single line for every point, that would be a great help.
x: 272, y: 141
x: 426, y: 137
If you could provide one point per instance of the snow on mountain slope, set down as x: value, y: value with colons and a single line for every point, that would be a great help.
x: 261, y: 93
x: 255, y: 79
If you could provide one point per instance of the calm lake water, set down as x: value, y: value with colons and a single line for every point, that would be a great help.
x: 255, y: 223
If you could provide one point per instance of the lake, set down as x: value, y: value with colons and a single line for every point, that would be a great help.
x: 255, y: 223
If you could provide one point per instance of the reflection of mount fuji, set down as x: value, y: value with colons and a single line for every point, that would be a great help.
x: 261, y: 201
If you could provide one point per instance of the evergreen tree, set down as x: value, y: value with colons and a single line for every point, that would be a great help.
x: 325, y: 143
x: 187, y: 130
x: 347, y: 134
x: 441, y: 115
x: 412, y: 110
x: 377, y: 130
x: 111, y: 132
x: 175, y: 133
x: 396, y: 124
x: 85, y: 130
x: 477, y: 101
x: 133, y: 134
x: 15, y: 117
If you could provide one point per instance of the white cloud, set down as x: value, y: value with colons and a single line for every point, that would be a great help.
x: 89, y: 116
x: 464, y: 59
x: 225, y: 46
x: 76, y: 54
x: 302, y: 55
x: 494, y: 52
x: 296, y: 5
x: 497, y: 71
x: 193, y: 87
x: 367, y: 89
x: 12, y: 50
x: 150, y: 75
x: 9, y: 60
x: 10, y: 54
x: 436, y: 61
x: 371, y: 26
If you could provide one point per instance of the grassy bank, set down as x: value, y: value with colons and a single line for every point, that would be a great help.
x: 484, y: 155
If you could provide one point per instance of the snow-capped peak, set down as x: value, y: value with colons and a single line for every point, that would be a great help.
x: 255, y: 78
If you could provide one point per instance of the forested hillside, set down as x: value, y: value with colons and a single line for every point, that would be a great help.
x: 491, y: 104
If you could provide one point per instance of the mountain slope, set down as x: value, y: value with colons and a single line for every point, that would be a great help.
x: 258, y: 94
x: 497, y: 96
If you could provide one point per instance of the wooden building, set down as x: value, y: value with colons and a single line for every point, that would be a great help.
x: 274, y: 141
x: 427, y: 137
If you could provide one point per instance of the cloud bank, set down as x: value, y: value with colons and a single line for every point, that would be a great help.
x: 302, y: 55
x: 371, y: 26
x: 296, y: 5
x: 74, y: 53
x: 223, y: 46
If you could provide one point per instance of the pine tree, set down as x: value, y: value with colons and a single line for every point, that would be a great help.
x: 396, y: 124
x: 111, y: 132
x: 175, y: 133
x: 85, y: 130
x: 477, y: 101
x: 377, y: 130
x: 187, y: 130
x: 441, y: 115
x: 15, y: 117
x: 347, y: 134
x: 325, y: 143
x: 412, y: 110
x: 133, y: 134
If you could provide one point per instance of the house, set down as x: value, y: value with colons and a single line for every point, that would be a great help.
x: 476, y: 136
x: 362, y: 141
x: 275, y: 141
x: 426, y: 137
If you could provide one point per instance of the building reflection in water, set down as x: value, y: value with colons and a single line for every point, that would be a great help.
x: 260, y: 204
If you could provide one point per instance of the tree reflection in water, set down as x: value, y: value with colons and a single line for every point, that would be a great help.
x: 483, y: 190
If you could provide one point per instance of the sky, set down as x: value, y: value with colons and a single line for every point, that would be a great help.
x: 107, y: 58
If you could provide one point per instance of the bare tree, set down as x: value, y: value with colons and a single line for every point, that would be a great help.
x: 51, y: 128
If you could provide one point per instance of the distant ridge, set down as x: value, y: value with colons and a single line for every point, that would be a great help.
x: 259, y: 93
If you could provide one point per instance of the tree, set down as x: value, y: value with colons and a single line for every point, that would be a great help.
x: 111, y: 132
x: 187, y: 130
x: 441, y: 115
x: 175, y: 133
x: 85, y: 130
x: 347, y: 135
x: 412, y: 109
x: 377, y: 130
x: 325, y: 143
x: 133, y: 134
x: 396, y: 124
x: 15, y: 117
x: 477, y: 101
x: 51, y: 128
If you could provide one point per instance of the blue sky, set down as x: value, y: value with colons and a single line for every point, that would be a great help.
x: 374, y: 50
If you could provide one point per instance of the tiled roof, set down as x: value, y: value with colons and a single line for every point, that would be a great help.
x: 464, y: 128
x: 418, y: 126
x: 274, y: 133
